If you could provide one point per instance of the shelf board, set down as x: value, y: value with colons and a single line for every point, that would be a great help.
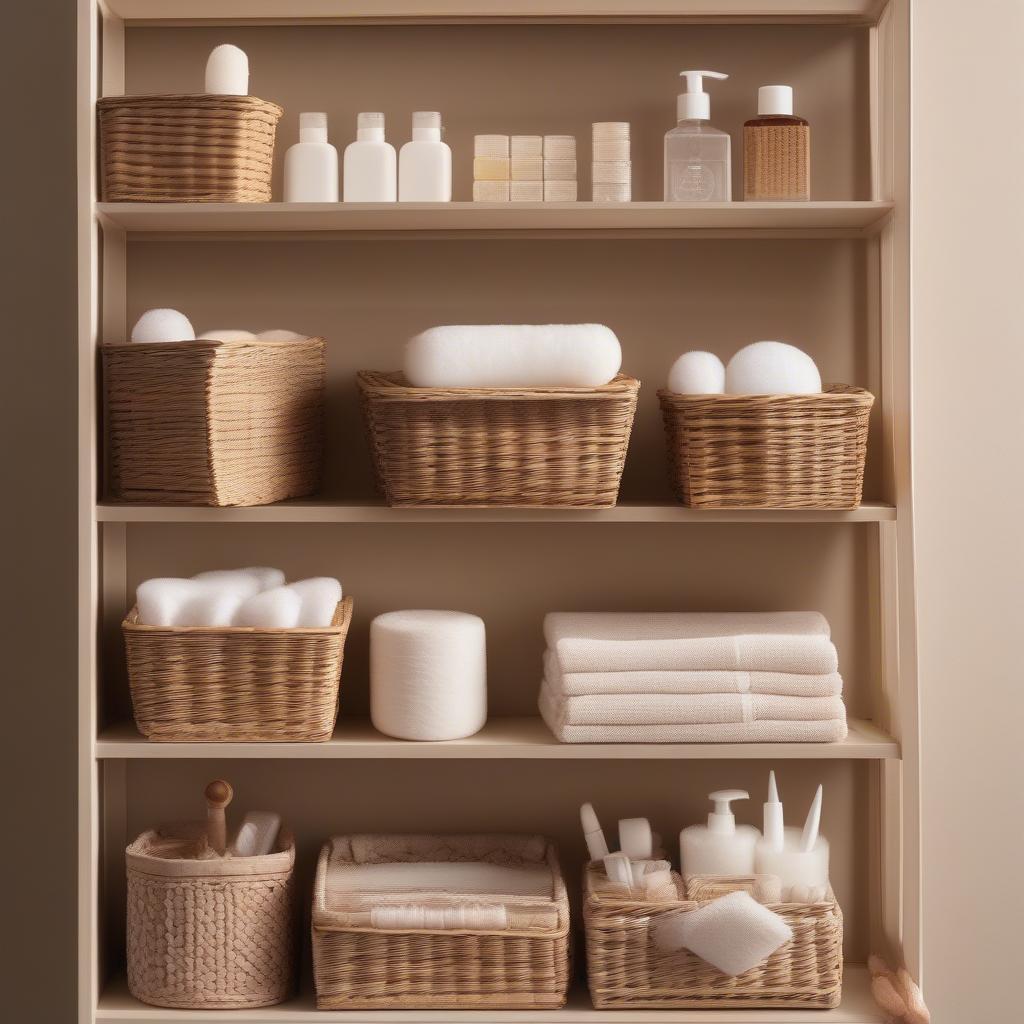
x: 500, y: 738
x: 857, y: 1007
x: 192, y: 12
x: 328, y: 512
x: 497, y: 220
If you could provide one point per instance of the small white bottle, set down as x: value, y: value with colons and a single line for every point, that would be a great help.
x: 369, y: 165
x: 720, y: 847
x: 425, y: 163
x: 698, y: 160
x: 311, y: 165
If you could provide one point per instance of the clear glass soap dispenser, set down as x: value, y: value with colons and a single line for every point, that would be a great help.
x: 698, y: 158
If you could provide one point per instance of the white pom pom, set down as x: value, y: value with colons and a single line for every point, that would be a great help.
x: 697, y: 373
x: 772, y: 368
x: 163, y: 325
x: 279, y: 334
x: 227, y: 334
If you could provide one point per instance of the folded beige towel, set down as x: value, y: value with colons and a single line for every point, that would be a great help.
x: 575, y: 684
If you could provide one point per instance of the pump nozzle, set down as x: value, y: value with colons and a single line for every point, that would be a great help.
x: 721, y: 820
x: 695, y: 103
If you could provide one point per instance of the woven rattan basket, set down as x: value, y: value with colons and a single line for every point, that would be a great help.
x: 209, y: 933
x: 214, y: 422
x: 548, y: 447
x: 360, y: 967
x: 625, y: 970
x: 187, y: 149
x: 236, y: 683
x: 768, y: 451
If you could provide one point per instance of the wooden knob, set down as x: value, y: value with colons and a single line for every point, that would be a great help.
x: 218, y: 796
x: 219, y: 793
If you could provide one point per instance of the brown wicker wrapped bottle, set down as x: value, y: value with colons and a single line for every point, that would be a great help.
x: 776, y: 149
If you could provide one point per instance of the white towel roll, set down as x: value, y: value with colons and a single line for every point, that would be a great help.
x: 277, y: 608
x: 513, y: 356
x: 264, y: 576
x: 160, y: 600
x: 428, y: 674
x: 319, y: 597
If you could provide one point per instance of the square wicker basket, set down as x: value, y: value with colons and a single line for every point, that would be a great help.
x: 625, y: 970
x: 360, y: 967
x: 768, y: 451
x: 214, y: 422
x: 525, y: 447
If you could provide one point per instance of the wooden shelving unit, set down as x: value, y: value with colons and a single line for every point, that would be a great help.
x: 832, y: 275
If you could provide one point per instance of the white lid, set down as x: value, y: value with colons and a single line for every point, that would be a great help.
x: 370, y: 127
x: 775, y: 99
x: 721, y: 820
x: 695, y: 103
x: 426, y: 126
x: 312, y: 127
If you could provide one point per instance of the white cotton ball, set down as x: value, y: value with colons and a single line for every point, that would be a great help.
x: 319, y: 596
x: 277, y: 608
x: 163, y: 325
x: 227, y: 334
x: 278, y: 334
x: 697, y: 373
x: 772, y: 368
x: 264, y: 576
x: 160, y: 600
x: 213, y: 604
x: 227, y: 71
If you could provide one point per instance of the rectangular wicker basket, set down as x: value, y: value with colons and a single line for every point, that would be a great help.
x: 187, y: 149
x: 359, y: 967
x: 214, y: 422
x: 210, y: 934
x: 768, y: 451
x: 625, y: 970
x: 526, y: 447
x: 209, y: 683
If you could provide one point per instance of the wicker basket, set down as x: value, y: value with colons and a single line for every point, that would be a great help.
x: 187, y: 149
x: 625, y: 970
x: 768, y: 451
x: 209, y: 934
x: 207, y: 684
x: 359, y: 967
x: 214, y: 422
x: 532, y: 447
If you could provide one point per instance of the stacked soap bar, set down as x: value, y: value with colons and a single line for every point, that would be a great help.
x: 611, y: 170
x: 524, y: 168
x: 492, y: 167
x: 559, y: 168
x: 527, y: 169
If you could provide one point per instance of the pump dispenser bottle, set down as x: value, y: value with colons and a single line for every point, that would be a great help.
x: 311, y: 165
x: 370, y: 171
x: 721, y: 847
x: 776, y: 149
x: 425, y: 163
x: 698, y: 161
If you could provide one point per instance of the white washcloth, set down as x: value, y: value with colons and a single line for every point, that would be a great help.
x: 492, y: 917
x: 453, y: 877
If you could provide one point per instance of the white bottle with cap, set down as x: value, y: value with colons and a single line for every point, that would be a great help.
x: 370, y: 167
x: 698, y: 160
x: 311, y: 165
x: 721, y: 847
x: 425, y: 163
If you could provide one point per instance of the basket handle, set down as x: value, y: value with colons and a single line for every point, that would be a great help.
x: 218, y: 796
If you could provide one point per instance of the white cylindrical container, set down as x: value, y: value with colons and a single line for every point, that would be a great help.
x: 428, y: 674
x: 311, y: 165
x: 227, y: 71
x: 802, y: 873
x: 425, y: 163
x: 370, y: 171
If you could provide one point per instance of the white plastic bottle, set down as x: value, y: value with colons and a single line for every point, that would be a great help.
x: 311, y: 165
x: 720, y: 847
x: 698, y: 157
x: 425, y: 163
x: 370, y: 167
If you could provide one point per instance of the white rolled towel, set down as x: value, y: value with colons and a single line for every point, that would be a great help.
x: 264, y: 576
x: 180, y: 602
x: 277, y: 608
x: 513, y: 356
x: 319, y: 597
x: 159, y: 601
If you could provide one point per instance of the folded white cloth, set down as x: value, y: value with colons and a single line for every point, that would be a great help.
x: 574, y: 684
x: 452, y: 877
x: 491, y: 917
x: 792, y: 642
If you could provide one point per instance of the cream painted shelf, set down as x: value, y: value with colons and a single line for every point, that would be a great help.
x: 483, y: 220
x: 500, y: 738
x: 328, y: 512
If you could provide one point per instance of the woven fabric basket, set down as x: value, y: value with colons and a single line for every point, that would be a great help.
x: 527, y: 447
x: 625, y: 970
x: 206, y: 684
x: 359, y: 967
x: 187, y: 149
x: 209, y: 934
x: 214, y: 422
x: 768, y: 451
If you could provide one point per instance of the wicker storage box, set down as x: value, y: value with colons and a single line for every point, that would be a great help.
x: 768, y: 451
x: 210, y: 683
x: 209, y: 934
x: 360, y: 967
x: 187, y: 149
x: 625, y: 970
x: 560, y: 447
x: 214, y: 422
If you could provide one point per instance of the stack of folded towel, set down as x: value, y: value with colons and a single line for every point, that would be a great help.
x: 698, y: 677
